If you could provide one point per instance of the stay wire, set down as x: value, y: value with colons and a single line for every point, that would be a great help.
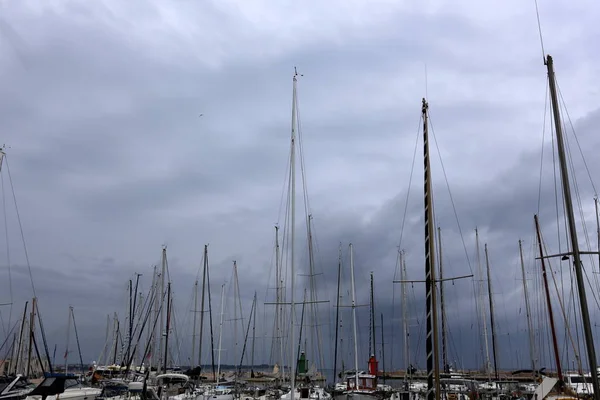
x: 20, y: 226
x: 409, y: 184
x: 450, y: 195
x: 542, y: 153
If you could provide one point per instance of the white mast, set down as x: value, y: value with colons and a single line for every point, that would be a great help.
x: 194, y: 323
x: 154, y: 337
x: 293, y: 236
x: 220, y: 333
x: 482, y: 307
x: 162, y: 309
x: 354, y: 315
x: 279, y: 309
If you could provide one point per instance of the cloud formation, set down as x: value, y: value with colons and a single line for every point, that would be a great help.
x: 110, y: 158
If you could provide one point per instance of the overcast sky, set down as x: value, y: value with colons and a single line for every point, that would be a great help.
x: 141, y: 123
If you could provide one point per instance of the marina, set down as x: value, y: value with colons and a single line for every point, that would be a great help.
x: 464, y: 274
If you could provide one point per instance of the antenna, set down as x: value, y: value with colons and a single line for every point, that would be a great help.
x: 296, y: 72
x: 537, y: 13
x: 426, y: 94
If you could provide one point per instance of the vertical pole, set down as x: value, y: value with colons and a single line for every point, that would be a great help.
x: 194, y: 324
x: 293, y: 236
x: 372, y: 318
x: 528, y: 312
x: 585, y: 314
x: 253, y: 335
x: 20, y: 346
x: 168, y: 327
x: 382, y: 350
x: 67, y: 344
x: 337, y: 314
x: 548, y: 302
x: 31, y: 335
x: 204, y: 269
x: 431, y: 345
x: 354, y: 315
x: 491, y: 300
x: 405, y: 327
x: 220, y: 334
x: 597, y: 228
x: 162, y: 308
x: 485, y: 349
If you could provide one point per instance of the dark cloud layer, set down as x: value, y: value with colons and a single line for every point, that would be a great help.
x: 110, y: 158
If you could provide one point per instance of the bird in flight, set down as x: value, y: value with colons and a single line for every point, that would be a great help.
x: 201, y: 115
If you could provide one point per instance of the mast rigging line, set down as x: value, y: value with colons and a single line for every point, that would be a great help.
x: 542, y: 152
x: 20, y: 225
x: 412, y: 168
x: 587, y: 169
x: 450, y: 194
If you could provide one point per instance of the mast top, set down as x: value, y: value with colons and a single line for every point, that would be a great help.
x: 425, y: 105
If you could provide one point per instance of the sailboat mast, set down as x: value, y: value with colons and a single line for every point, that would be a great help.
x: 431, y: 344
x: 168, y: 327
x: 279, y: 306
x: 486, y: 350
x: 194, y: 322
x: 210, y: 319
x: 372, y: 322
x: 204, y: 270
x: 236, y: 293
x: 67, y: 344
x: 162, y: 308
x: 253, y: 336
x: 597, y: 227
x: 337, y: 314
x: 354, y: 315
x: 405, y: 327
x: 445, y: 364
x: 154, y: 335
x: 31, y: 335
x: 116, y: 334
x: 548, y: 302
x: 382, y: 350
x: 527, y: 311
x: 491, y: 300
x: 293, y: 235
x: 21, y: 338
x: 130, y: 324
x: 220, y: 333
x: 585, y: 314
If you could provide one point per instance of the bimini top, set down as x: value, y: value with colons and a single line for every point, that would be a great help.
x: 173, y: 378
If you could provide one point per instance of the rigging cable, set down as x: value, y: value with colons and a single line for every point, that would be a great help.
x: 20, y: 227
